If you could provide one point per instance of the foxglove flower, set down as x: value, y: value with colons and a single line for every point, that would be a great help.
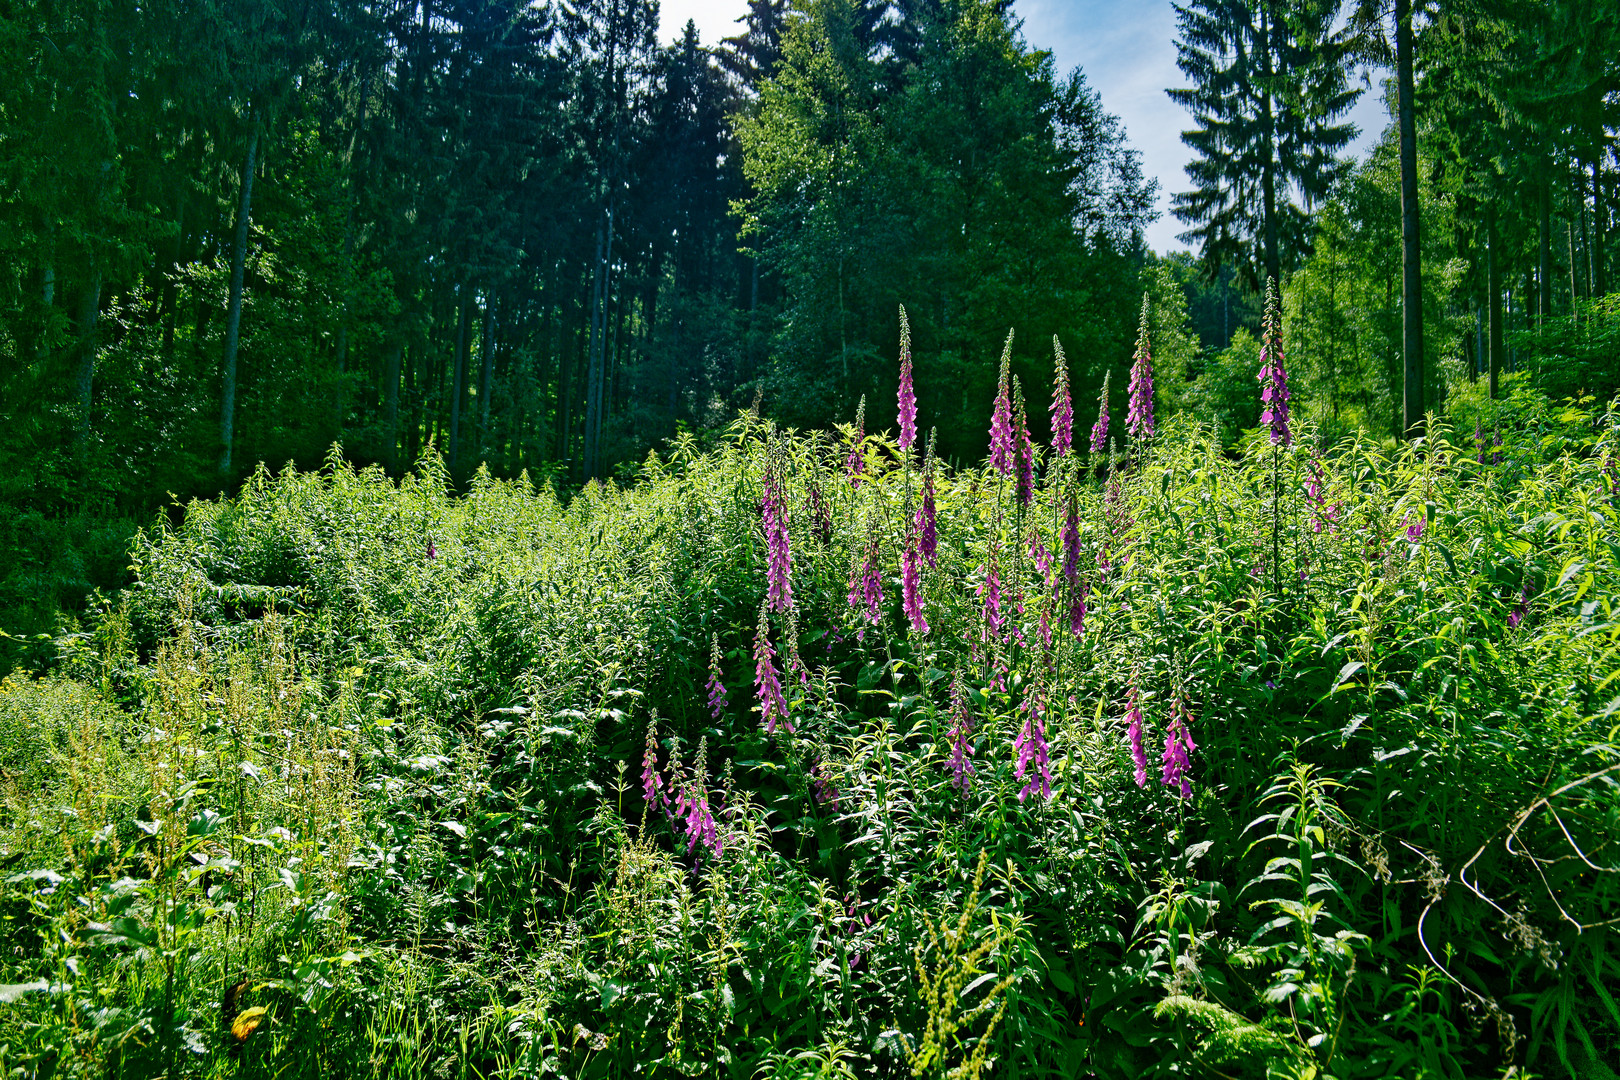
x: 961, y: 738
x: 778, y: 555
x: 865, y: 581
x: 1033, y: 755
x: 1099, y: 430
x: 700, y: 824
x: 911, y: 585
x: 1023, y: 448
x: 908, y: 396
x: 1062, y: 407
x: 1071, y: 543
x: 1039, y: 554
x: 1414, y: 530
x: 1133, y: 731
x: 1273, y: 377
x: 432, y: 552
x: 1496, y: 446
x: 1001, y: 432
x: 926, y: 519
x: 822, y: 786
x: 717, y: 689
x: 652, y: 784
x: 1077, y: 609
x: 1518, y: 613
x: 990, y: 590
x: 1139, y: 415
x: 1479, y: 441
x: 1178, y: 744
x: 855, y: 464
x: 767, y: 684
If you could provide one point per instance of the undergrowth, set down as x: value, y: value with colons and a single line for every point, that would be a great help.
x: 366, y: 778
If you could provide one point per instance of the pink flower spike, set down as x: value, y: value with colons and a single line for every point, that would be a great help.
x: 908, y: 396
x: 1099, y: 430
x: 1139, y: 416
x: 1133, y: 731
x: 911, y: 585
x: 1273, y: 378
x: 1062, y: 408
x: 773, y: 708
x: 855, y: 464
x: 1001, y: 431
x: 1032, y: 750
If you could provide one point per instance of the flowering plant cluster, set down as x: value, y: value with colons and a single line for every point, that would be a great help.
x: 1273, y: 377
x: 1139, y: 415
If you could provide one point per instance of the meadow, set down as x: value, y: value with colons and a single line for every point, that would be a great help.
x: 814, y: 755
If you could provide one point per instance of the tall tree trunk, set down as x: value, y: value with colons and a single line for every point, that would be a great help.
x: 233, y: 313
x: 1600, y: 272
x: 597, y: 358
x: 1586, y: 240
x: 484, y: 377
x: 1493, y: 287
x: 391, y: 397
x: 1544, y: 269
x: 1411, y: 250
x: 458, y: 386
x: 89, y: 309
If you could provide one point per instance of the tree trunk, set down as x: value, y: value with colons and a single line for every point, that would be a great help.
x: 1544, y: 269
x: 391, y: 396
x: 484, y: 378
x: 1600, y: 273
x: 1493, y: 288
x: 89, y: 308
x: 458, y: 385
x: 233, y: 313
x: 1411, y: 250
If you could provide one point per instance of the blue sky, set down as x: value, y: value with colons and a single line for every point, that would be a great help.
x: 1127, y: 49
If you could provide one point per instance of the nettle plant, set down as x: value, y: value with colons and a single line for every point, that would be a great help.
x: 812, y: 754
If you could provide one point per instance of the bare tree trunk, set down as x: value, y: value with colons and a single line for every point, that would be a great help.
x: 484, y: 377
x: 1600, y: 272
x: 458, y: 387
x: 1413, y: 403
x: 1544, y: 269
x: 89, y: 308
x: 391, y: 396
x: 233, y: 313
x: 1493, y: 287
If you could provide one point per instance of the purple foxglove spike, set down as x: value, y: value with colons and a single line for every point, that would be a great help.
x: 1077, y: 609
x: 1133, y: 731
x: 990, y: 590
x: 1023, y: 448
x: 911, y: 585
x: 1001, y: 432
x: 1414, y: 531
x: 1273, y: 377
x: 1033, y: 754
x: 778, y: 554
x: 865, y: 580
x: 1178, y: 744
x: 767, y: 684
x: 908, y: 396
x: 855, y: 464
x: 927, y: 520
x: 1479, y: 441
x: 960, y: 738
x: 652, y: 784
x: 1099, y: 430
x: 1139, y: 416
x: 1062, y: 408
x: 1071, y: 543
x: 717, y: 689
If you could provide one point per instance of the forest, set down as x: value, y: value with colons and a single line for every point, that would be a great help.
x: 531, y: 550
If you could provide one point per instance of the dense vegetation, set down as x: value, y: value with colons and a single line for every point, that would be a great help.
x: 814, y: 756
x: 618, y: 681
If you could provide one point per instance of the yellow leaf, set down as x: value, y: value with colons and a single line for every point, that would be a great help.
x: 246, y: 1021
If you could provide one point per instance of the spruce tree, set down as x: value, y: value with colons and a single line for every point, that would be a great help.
x: 1270, y: 81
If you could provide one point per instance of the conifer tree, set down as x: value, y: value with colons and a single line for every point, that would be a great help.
x: 1270, y: 81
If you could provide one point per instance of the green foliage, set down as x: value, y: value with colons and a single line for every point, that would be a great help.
x: 365, y: 755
